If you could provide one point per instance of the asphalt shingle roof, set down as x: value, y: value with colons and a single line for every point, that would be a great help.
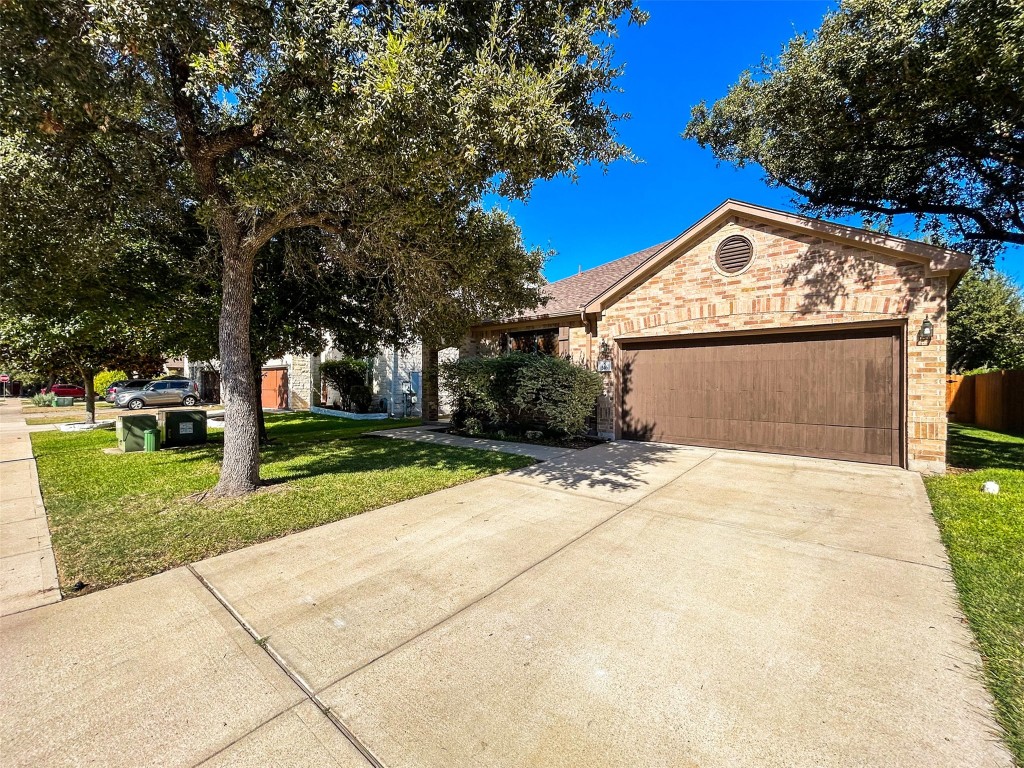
x: 569, y: 294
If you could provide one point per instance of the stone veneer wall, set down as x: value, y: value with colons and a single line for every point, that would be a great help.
x: 300, y: 382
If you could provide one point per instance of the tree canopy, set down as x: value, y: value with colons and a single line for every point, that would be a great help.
x: 986, y: 323
x: 89, y: 278
x: 891, y: 107
x: 378, y: 126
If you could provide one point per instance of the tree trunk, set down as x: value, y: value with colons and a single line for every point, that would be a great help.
x: 257, y: 380
x: 431, y: 407
x: 90, y: 397
x: 240, y: 470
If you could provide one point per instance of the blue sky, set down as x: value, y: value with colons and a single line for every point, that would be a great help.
x: 687, y: 52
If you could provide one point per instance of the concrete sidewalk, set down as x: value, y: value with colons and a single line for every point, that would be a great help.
x: 28, y: 572
x: 438, y: 436
x: 630, y: 604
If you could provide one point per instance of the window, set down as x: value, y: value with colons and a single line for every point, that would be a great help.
x: 541, y: 342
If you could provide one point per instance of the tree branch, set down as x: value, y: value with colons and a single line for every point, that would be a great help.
x: 332, y: 223
x: 223, y: 143
x: 989, y: 230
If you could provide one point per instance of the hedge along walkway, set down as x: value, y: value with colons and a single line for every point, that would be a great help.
x: 28, y: 575
x: 437, y: 437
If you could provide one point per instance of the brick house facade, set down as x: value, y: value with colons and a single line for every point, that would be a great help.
x: 803, y: 276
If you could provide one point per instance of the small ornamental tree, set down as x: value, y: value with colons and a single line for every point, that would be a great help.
x: 348, y: 376
x: 101, y: 381
x: 75, y: 348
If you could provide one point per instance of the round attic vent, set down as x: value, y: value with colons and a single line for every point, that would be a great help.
x: 734, y: 254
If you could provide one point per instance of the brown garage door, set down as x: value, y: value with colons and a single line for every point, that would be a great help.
x: 832, y: 394
x: 274, y: 392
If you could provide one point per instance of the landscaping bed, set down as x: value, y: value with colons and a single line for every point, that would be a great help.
x: 575, y: 442
x: 116, y: 518
x: 984, y: 535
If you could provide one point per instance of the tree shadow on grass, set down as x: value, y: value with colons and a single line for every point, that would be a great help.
x: 287, y: 463
x: 975, y: 448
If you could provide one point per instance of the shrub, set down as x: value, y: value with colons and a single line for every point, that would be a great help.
x: 520, y: 392
x: 348, y: 376
x: 104, y: 379
x: 47, y: 400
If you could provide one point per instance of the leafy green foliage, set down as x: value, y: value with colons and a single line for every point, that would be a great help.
x: 104, y: 379
x: 123, y: 517
x: 44, y: 399
x: 348, y: 376
x: 986, y: 323
x: 520, y: 392
x: 375, y: 128
x: 893, y: 106
x: 984, y: 535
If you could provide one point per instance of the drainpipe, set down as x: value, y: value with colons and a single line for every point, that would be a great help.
x: 394, y: 380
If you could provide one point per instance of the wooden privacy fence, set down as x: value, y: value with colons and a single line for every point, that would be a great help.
x: 991, y: 400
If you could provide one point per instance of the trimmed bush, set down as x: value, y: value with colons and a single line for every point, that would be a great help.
x: 104, y: 379
x: 348, y: 376
x: 519, y: 392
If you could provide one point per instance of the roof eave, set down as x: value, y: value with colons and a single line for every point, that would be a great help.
x: 938, y: 261
x: 528, y: 318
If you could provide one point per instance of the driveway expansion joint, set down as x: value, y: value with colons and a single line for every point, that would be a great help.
x: 294, y: 676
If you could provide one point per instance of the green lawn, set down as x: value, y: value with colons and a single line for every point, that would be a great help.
x: 65, y: 417
x: 119, y: 517
x: 985, y: 537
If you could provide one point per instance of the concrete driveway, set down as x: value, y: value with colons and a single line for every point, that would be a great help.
x: 628, y: 605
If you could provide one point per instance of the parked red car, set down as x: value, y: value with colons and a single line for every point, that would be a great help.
x: 65, y: 390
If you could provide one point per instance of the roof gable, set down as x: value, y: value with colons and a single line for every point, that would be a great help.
x: 937, y: 261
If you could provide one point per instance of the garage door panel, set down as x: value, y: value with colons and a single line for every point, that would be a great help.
x: 831, y: 394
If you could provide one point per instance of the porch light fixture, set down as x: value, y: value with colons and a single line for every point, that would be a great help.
x: 927, y: 331
x: 606, y: 349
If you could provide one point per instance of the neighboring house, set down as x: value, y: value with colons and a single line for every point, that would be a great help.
x: 293, y: 382
x: 761, y: 330
x: 288, y: 383
x: 396, y: 380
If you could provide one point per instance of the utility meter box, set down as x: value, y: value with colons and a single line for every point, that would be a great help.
x: 179, y: 427
x: 131, y: 431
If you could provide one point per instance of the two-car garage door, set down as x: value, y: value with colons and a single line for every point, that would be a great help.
x: 827, y: 394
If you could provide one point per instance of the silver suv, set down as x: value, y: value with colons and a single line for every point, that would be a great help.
x: 161, y: 392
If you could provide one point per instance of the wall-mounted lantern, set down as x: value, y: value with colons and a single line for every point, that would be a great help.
x: 604, y: 361
x: 924, y: 336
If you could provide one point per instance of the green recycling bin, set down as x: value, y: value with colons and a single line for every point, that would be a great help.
x: 131, y: 429
x: 151, y: 439
x: 63, y: 402
x: 182, y: 427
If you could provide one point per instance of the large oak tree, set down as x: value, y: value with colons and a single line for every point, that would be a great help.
x: 377, y: 125
x: 891, y: 107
